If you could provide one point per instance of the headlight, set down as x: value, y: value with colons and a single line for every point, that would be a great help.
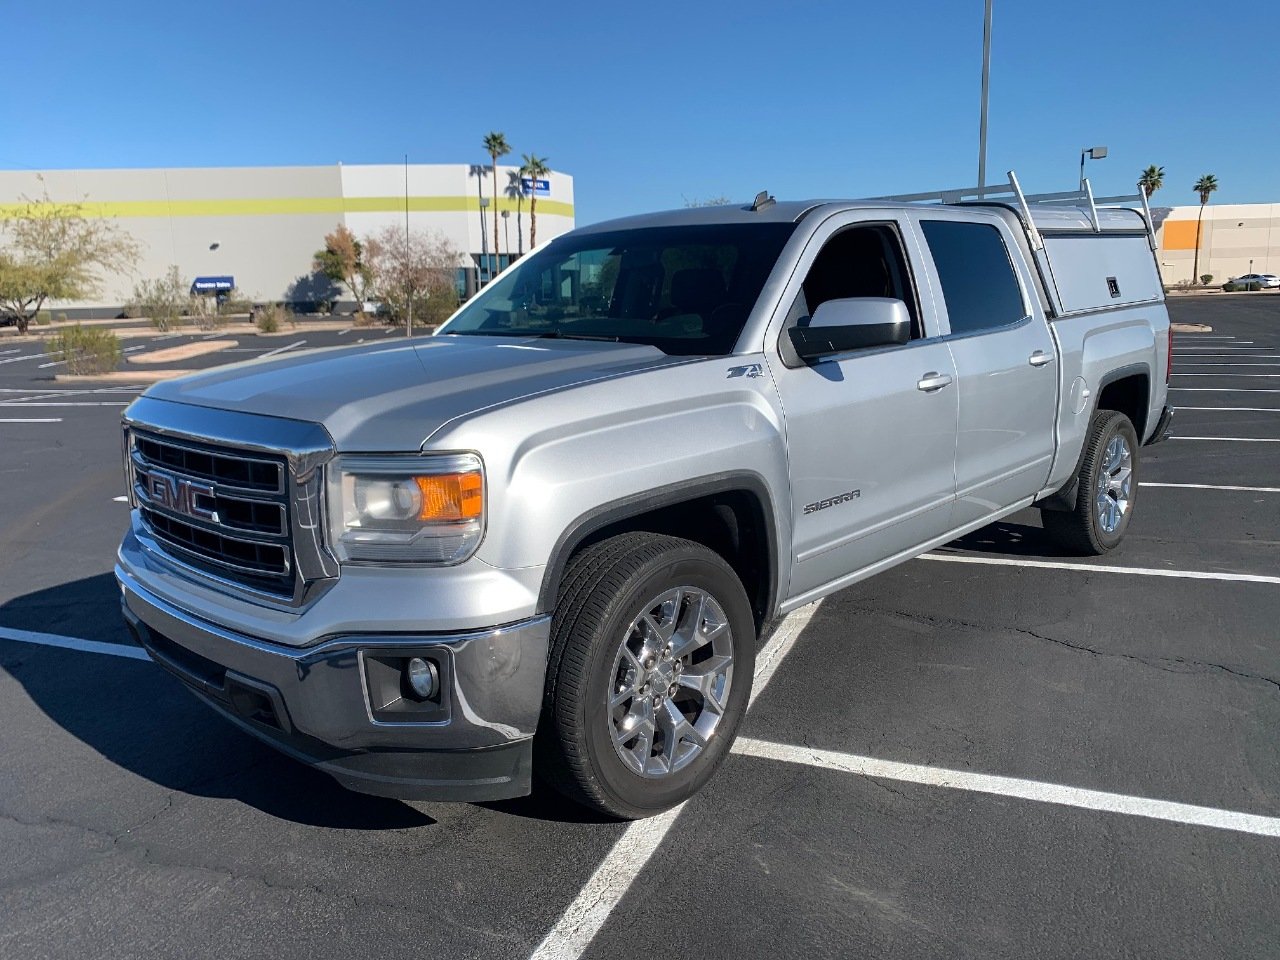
x: 418, y: 509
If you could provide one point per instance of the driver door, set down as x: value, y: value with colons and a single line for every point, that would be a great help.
x: 871, y: 433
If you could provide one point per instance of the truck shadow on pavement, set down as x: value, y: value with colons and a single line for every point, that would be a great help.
x: 141, y: 719
x: 1010, y: 539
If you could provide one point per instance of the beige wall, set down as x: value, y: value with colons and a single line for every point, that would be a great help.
x: 1231, y: 235
x: 267, y: 222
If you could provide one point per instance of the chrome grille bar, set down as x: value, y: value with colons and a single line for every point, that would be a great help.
x: 217, y: 508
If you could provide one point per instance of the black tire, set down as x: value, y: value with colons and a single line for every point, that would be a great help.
x: 604, y: 589
x: 1080, y: 530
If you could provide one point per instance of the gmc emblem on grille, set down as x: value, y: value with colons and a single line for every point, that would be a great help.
x: 189, y: 497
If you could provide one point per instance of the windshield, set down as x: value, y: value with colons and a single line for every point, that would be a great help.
x: 685, y: 290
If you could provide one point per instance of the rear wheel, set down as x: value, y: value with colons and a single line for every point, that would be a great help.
x: 1107, y: 490
x: 652, y: 655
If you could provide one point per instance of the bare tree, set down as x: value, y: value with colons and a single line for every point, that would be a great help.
x: 54, y: 251
x: 418, y: 269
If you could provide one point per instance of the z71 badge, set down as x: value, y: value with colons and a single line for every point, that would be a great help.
x: 832, y: 501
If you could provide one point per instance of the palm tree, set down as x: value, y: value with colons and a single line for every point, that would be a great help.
x: 515, y: 188
x: 534, y: 168
x: 1152, y: 179
x: 1204, y: 186
x: 495, y: 144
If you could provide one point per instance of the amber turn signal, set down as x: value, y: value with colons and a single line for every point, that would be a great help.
x: 451, y: 497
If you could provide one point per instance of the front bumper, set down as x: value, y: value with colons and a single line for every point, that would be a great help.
x: 329, y: 705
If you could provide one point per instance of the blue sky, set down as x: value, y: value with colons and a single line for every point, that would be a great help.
x: 649, y: 104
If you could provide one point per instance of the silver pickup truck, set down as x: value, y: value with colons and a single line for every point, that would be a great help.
x: 546, y: 538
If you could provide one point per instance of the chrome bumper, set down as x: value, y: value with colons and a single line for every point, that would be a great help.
x: 334, y: 705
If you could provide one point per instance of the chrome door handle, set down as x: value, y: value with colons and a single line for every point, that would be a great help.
x: 932, y: 381
x: 1040, y: 358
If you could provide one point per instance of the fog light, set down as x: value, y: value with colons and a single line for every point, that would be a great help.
x: 423, y: 677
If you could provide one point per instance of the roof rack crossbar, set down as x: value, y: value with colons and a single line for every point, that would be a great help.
x: 1006, y: 191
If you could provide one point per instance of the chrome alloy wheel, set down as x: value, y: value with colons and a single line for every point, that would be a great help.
x: 670, y: 682
x: 1115, y: 478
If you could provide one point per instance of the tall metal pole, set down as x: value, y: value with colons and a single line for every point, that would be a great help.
x: 986, y: 91
x: 408, y: 284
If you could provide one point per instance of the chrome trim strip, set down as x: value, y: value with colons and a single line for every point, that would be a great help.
x: 324, y: 645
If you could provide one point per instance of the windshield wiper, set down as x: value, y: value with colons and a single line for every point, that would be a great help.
x: 535, y: 334
x: 561, y: 335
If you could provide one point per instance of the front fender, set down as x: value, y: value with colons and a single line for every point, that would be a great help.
x: 562, y: 464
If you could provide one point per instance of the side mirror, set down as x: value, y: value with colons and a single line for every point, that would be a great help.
x: 856, y: 323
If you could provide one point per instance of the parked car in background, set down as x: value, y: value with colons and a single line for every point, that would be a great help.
x: 1253, y: 281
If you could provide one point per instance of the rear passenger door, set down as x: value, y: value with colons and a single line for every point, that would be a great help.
x: 870, y: 432
x: 1005, y: 358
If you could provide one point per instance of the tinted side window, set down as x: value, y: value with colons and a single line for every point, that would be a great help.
x: 978, y: 283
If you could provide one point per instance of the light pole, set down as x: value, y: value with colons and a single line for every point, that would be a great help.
x: 506, y: 231
x: 986, y: 91
x: 408, y: 328
x: 1093, y: 153
x: 484, y: 242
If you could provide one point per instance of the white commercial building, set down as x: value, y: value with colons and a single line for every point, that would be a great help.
x: 262, y: 225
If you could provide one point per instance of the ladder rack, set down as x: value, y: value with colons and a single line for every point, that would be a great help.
x: 1011, y: 193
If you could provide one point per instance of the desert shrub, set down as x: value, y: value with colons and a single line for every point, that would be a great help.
x: 271, y: 317
x: 86, y: 351
x: 165, y: 301
x: 1206, y: 278
x: 43, y: 318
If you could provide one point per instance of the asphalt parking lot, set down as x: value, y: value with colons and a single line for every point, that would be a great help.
x: 995, y: 751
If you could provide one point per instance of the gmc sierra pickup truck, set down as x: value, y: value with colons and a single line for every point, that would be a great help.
x: 546, y: 538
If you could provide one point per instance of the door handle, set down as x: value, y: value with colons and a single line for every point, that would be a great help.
x: 932, y: 381
x: 1040, y: 358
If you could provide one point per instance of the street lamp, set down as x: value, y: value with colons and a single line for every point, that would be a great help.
x: 1093, y: 153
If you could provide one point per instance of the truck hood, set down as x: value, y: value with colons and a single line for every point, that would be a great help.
x: 386, y: 397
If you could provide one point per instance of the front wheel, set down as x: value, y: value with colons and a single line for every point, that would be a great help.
x: 652, y: 656
x: 1107, y: 490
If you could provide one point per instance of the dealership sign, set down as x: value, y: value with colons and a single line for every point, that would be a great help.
x: 543, y: 188
x: 213, y: 284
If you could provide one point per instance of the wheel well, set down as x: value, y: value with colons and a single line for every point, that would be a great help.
x: 1129, y: 395
x: 732, y: 523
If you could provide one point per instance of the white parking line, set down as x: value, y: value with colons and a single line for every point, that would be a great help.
x: 1102, y: 568
x: 584, y: 917
x: 30, y: 356
x: 5, y: 353
x: 1228, y: 389
x: 1231, y: 439
x: 73, y: 643
x: 1209, y: 486
x: 119, y: 499
x: 129, y: 389
x: 66, y: 403
x: 272, y: 353
x: 1035, y: 790
x: 1237, y: 409
x: 33, y: 420
x: 343, y: 333
x: 51, y: 363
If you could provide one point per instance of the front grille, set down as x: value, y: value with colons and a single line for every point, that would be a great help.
x: 221, y: 510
